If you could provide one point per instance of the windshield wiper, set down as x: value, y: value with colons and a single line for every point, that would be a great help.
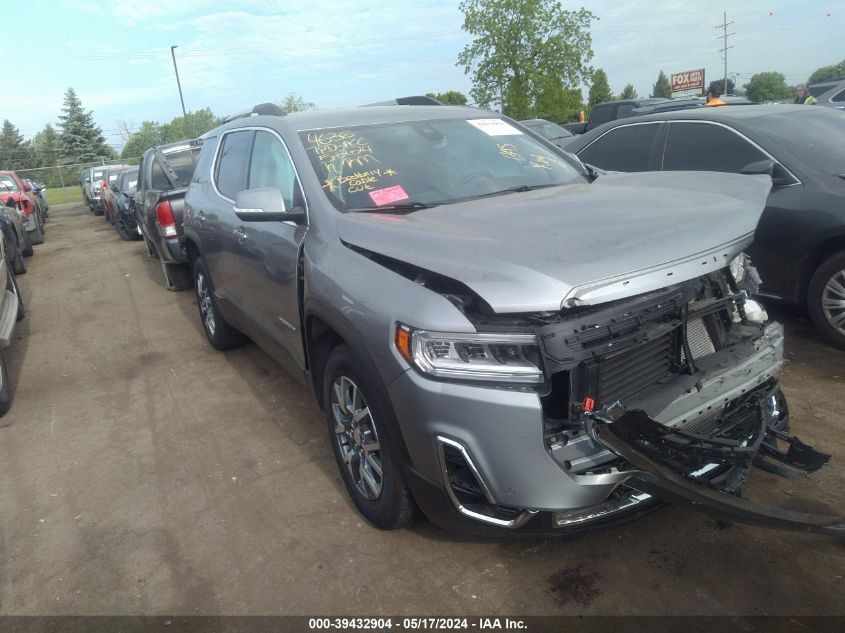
x: 396, y: 206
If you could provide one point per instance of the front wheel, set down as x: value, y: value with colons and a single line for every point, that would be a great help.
x: 361, y: 431
x: 826, y: 300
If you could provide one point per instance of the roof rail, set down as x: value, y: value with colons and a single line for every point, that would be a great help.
x: 412, y: 100
x: 270, y: 109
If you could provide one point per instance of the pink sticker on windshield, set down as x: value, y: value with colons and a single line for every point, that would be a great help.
x: 390, y: 195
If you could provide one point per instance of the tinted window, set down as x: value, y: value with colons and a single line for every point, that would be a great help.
x: 601, y: 114
x: 183, y: 163
x: 839, y: 97
x: 820, y: 90
x: 158, y: 180
x: 625, y: 148
x: 128, y: 182
x: 624, y: 110
x: 815, y: 136
x: 203, y: 170
x: 706, y: 147
x: 271, y: 167
x: 233, y: 163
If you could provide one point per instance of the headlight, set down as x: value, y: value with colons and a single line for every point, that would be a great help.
x: 503, y: 358
x: 737, y: 267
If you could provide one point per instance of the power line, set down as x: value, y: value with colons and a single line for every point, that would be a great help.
x: 725, y: 35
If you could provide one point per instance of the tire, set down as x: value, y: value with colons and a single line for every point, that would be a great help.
x: 26, y: 247
x: 151, y: 249
x: 120, y: 227
x: 17, y: 291
x: 18, y: 263
x: 36, y: 236
x: 5, y: 387
x: 365, y: 445
x: 177, y: 277
x: 219, y: 333
x: 826, y: 300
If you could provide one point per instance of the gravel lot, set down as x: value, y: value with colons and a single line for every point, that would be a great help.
x: 144, y: 472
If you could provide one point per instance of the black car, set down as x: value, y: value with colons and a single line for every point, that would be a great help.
x: 552, y: 132
x: 123, y: 199
x: 800, y: 243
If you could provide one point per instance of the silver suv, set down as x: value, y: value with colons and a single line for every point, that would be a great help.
x: 496, y: 334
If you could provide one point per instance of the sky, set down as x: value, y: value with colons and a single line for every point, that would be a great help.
x: 232, y: 55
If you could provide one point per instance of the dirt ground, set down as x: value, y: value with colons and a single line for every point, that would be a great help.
x: 144, y: 472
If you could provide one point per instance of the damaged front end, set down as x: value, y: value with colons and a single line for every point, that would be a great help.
x: 673, y: 395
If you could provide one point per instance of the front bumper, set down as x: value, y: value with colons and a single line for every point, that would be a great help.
x: 496, y: 436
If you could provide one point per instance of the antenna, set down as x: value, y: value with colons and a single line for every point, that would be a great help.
x: 724, y: 36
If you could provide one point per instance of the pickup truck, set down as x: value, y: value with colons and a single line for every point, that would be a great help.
x: 610, y: 111
x: 481, y: 347
x: 163, y: 177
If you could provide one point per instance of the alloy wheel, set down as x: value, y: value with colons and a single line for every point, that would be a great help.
x: 206, y: 308
x: 833, y: 301
x: 357, y: 437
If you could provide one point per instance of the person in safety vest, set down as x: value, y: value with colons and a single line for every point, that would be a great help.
x: 802, y: 97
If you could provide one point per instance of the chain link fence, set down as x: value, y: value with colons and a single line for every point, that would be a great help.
x: 63, y: 181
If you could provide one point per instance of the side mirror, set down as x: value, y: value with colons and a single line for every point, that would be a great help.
x: 778, y: 173
x: 265, y: 205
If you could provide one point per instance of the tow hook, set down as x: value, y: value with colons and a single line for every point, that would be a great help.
x: 666, y: 463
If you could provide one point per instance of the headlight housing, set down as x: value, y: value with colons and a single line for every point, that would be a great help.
x: 497, y: 358
x: 738, y: 267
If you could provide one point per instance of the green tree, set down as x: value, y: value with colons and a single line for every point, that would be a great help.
x: 450, y: 97
x: 148, y: 135
x: 600, y: 90
x: 194, y: 125
x: 80, y: 139
x: 767, y: 86
x: 46, y: 147
x: 558, y: 103
x: 826, y: 73
x: 719, y: 85
x: 518, y: 45
x: 14, y: 151
x: 662, y: 87
x: 628, y: 92
x: 294, y: 103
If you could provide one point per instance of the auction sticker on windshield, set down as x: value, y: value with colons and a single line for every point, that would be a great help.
x: 494, y: 127
x: 389, y: 195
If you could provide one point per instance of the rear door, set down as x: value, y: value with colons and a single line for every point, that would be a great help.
x: 229, y: 178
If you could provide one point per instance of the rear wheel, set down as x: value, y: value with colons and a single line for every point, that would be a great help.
x: 361, y: 431
x: 219, y: 333
x: 18, y: 264
x: 17, y: 291
x: 122, y: 230
x: 36, y: 236
x: 5, y: 387
x: 826, y: 299
x: 26, y: 246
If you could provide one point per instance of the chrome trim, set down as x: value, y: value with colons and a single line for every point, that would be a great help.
x: 256, y: 128
x: 578, y: 516
x: 520, y: 520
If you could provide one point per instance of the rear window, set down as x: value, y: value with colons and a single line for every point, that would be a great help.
x: 183, y: 163
x: 601, y: 114
x: 7, y: 183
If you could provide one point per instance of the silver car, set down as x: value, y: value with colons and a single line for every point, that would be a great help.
x: 497, y: 334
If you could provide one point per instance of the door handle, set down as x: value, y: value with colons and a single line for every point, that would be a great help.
x: 240, y: 234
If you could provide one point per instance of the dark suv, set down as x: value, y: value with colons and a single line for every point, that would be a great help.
x: 493, y: 334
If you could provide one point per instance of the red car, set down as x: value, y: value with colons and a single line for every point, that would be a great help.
x: 21, y: 195
x: 106, y: 193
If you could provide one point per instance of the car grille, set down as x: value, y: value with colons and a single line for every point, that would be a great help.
x: 626, y: 373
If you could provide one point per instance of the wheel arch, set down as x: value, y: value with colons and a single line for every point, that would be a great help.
x: 820, y: 253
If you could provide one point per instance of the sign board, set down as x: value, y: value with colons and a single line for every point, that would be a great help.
x: 690, y: 82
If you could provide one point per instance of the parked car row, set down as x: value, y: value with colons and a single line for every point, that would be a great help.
x: 498, y: 335
x: 23, y: 211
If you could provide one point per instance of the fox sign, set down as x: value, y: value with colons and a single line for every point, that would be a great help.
x: 690, y: 82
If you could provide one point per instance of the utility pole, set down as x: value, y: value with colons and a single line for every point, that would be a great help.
x: 179, y: 85
x: 724, y: 37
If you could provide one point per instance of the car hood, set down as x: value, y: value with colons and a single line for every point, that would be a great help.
x: 581, y: 244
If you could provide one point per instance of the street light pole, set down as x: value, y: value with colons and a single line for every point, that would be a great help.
x: 179, y: 85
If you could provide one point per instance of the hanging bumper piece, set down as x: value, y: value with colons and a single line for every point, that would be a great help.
x: 677, y: 467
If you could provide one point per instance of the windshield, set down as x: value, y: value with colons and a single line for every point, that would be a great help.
x: 551, y: 131
x: 128, y: 182
x: 430, y: 162
x: 7, y: 183
x: 99, y: 174
x: 815, y: 136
